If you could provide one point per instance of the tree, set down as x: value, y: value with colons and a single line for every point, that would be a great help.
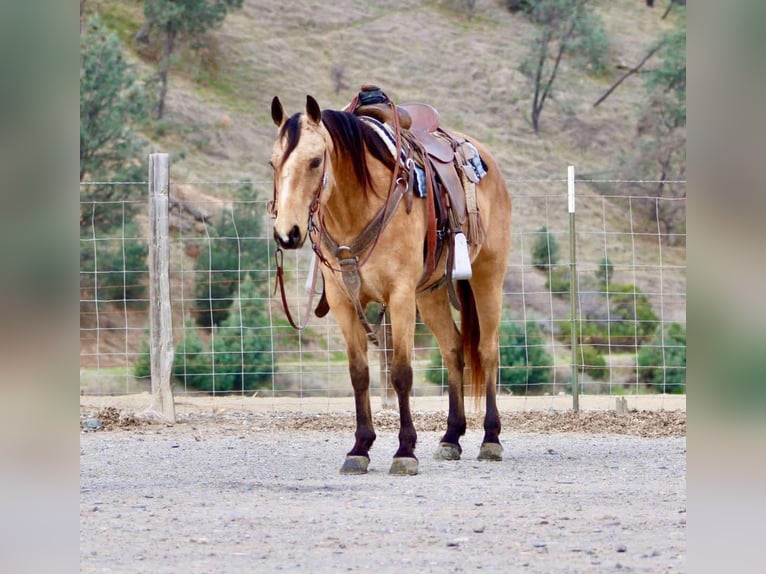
x: 564, y: 27
x: 662, y: 361
x: 179, y: 20
x: 113, y: 104
x: 670, y: 76
x: 545, y: 250
x: 661, y: 135
x: 235, y: 248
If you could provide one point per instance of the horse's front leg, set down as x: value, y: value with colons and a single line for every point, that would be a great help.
x: 358, y: 458
x: 403, y: 312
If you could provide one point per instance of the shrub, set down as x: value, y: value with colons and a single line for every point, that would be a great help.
x: 216, y: 278
x: 593, y: 362
x: 525, y: 365
x: 243, y: 351
x: 236, y: 357
x: 662, y: 361
x: 116, y: 269
x: 627, y: 321
x: 193, y: 363
x: 605, y: 271
x: 545, y: 250
x: 558, y: 282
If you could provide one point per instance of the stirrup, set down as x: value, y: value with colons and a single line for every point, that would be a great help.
x: 461, y: 267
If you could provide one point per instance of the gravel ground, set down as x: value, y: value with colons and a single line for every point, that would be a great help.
x: 260, y: 492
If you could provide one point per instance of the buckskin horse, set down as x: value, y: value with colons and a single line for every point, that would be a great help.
x: 385, y: 229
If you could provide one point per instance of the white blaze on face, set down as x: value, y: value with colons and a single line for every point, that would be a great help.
x: 284, y: 221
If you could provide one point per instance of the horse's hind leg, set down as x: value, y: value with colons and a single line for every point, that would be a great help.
x: 358, y: 457
x: 487, y: 284
x: 435, y: 311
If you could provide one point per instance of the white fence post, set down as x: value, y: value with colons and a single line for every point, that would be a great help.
x: 573, y: 286
x: 160, y: 320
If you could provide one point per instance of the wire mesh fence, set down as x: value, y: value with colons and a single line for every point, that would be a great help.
x: 231, y: 336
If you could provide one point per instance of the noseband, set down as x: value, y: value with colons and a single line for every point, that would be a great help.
x: 279, y: 254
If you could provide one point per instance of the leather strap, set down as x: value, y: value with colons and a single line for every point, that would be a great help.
x: 280, y: 283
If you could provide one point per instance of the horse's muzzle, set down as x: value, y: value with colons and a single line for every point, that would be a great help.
x: 293, y: 239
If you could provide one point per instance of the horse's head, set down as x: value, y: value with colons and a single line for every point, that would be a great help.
x: 300, y: 162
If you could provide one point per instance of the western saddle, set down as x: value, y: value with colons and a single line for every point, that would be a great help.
x: 451, y: 165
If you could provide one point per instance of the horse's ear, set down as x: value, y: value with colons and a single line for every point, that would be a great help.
x: 277, y: 112
x: 312, y: 109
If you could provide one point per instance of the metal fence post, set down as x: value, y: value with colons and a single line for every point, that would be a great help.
x: 573, y: 287
x: 160, y: 320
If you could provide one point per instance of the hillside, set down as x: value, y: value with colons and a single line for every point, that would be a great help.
x: 219, y: 126
x: 468, y: 68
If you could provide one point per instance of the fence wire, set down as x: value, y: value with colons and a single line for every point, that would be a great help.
x: 231, y: 336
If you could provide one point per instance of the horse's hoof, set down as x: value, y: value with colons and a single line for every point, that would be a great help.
x: 491, y: 451
x: 447, y: 451
x: 404, y: 466
x: 355, y: 464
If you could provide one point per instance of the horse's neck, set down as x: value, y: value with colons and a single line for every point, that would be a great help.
x: 347, y: 211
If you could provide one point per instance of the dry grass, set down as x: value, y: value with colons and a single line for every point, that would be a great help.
x: 218, y: 110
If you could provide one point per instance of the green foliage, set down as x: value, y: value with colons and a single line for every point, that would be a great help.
x: 662, y: 361
x: 564, y: 27
x: 524, y: 6
x: 545, y: 250
x: 526, y: 367
x: 558, y: 282
x: 142, y: 367
x: 216, y: 278
x: 193, y: 362
x: 593, y: 362
x: 243, y: 353
x: 186, y: 20
x: 660, y: 146
x: 436, y: 373
x: 621, y: 317
x: 235, y: 357
x: 113, y: 102
x: 235, y: 247
x: 605, y: 271
x: 189, y: 17
x: 669, y: 78
x: 114, y: 269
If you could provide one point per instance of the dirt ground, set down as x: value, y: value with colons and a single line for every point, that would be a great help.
x: 236, y: 490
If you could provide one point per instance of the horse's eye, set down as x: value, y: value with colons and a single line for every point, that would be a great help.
x: 315, y: 163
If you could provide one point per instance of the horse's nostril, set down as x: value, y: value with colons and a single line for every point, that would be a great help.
x: 290, y: 241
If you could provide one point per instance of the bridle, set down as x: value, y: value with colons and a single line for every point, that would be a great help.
x: 279, y: 254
